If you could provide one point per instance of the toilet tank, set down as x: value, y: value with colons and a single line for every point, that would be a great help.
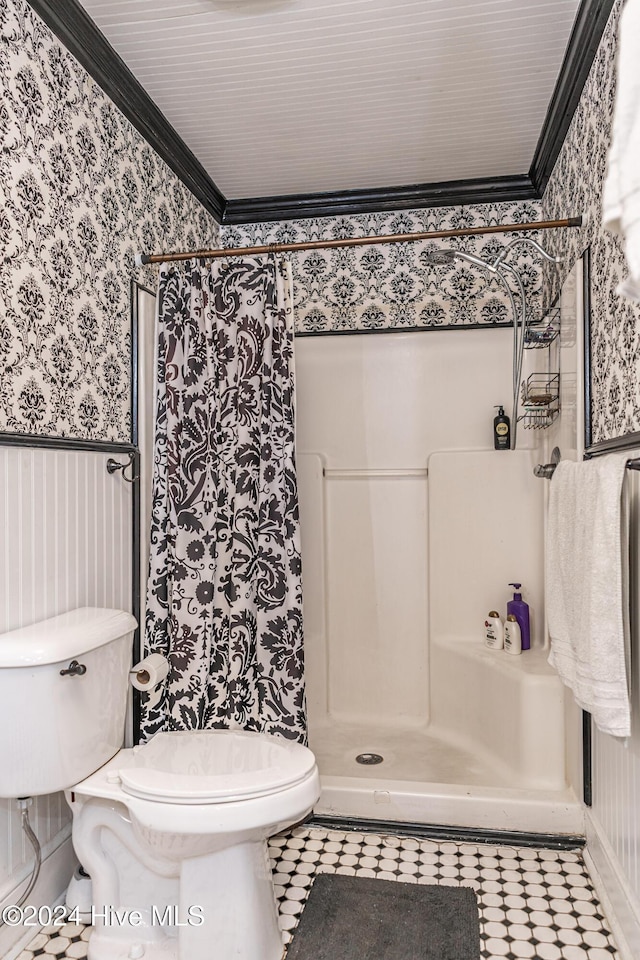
x: 57, y: 729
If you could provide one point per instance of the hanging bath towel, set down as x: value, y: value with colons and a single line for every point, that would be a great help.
x: 586, y: 587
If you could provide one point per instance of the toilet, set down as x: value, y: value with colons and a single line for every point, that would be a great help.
x: 174, y: 832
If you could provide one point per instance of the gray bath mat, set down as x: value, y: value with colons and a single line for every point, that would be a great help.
x: 358, y: 918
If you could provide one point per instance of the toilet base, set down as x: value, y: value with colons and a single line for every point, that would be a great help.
x: 238, y: 908
x: 103, y: 946
x: 225, y: 900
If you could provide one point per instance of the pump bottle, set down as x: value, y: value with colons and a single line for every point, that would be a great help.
x: 520, y: 610
x: 501, y: 431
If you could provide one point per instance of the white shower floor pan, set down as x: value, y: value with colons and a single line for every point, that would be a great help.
x: 409, y: 753
x: 426, y: 777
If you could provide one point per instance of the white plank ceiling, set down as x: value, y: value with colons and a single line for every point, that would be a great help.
x: 302, y: 96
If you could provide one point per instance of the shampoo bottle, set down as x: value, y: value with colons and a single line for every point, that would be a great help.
x: 520, y: 610
x: 494, y: 631
x: 512, y: 636
x: 501, y: 431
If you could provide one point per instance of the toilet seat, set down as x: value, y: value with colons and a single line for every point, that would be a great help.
x: 214, y: 766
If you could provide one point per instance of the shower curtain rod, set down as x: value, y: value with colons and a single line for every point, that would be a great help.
x: 143, y: 258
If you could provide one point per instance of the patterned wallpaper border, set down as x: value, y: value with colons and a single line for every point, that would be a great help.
x: 392, y: 286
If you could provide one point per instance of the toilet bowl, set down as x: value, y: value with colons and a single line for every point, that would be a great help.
x: 188, y: 815
x: 174, y: 832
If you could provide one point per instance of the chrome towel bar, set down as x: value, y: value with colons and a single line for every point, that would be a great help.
x: 546, y: 470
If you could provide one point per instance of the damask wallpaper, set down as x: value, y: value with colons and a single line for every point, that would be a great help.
x: 80, y: 193
x: 393, y: 286
x: 576, y: 187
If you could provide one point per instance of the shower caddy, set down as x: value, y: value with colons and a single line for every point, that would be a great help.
x: 540, y: 392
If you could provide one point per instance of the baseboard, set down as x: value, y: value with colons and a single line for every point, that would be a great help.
x: 619, y: 901
x: 430, y: 831
x: 55, y: 874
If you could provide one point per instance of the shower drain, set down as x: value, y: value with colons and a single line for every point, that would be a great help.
x: 369, y: 758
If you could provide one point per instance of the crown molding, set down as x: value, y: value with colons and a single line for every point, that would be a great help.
x: 80, y: 35
x: 77, y: 31
x: 349, y: 202
x: 586, y: 34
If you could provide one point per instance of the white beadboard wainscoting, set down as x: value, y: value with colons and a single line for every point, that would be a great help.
x: 66, y: 542
x: 613, y: 823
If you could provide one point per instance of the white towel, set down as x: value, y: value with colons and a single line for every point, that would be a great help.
x: 586, y: 587
x: 621, y: 196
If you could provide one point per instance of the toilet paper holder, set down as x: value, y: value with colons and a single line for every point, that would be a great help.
x: 149, y: 675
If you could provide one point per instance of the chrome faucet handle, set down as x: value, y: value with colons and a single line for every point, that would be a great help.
x: 546, y: 470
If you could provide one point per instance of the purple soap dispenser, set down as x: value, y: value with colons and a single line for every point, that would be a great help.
x: 520, y: 610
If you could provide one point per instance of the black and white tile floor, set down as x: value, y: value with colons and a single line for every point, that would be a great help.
x: 534, y: 904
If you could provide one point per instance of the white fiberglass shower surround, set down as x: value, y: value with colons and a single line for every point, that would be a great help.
x: 412, y: 528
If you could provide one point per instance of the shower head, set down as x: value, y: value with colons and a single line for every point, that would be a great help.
x: 438, y: 258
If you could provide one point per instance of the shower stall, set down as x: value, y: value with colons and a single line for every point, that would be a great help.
x: 412, y: 529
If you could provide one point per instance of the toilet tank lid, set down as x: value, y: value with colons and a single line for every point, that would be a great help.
x: 60, y: 638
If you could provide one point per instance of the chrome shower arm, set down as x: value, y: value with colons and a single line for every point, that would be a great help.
x: 476, y: 261
x: 531, y: 242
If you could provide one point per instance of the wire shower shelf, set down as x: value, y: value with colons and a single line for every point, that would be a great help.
x: 540, y: 335
x: 540, y: 400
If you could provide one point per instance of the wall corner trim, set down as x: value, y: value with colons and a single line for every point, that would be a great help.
x: 76, y: 30
x: 588, y: 28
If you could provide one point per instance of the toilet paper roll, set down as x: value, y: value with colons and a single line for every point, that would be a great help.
x: 150, y: 672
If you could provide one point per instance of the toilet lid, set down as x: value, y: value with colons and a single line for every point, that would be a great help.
x: 214, y: 766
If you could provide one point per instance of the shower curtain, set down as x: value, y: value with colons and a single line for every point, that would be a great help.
x: 224, y: 595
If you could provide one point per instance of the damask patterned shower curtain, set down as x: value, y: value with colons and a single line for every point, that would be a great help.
x: 224, y: 596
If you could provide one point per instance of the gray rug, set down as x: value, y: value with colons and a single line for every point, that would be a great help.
x: 358, y: 918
